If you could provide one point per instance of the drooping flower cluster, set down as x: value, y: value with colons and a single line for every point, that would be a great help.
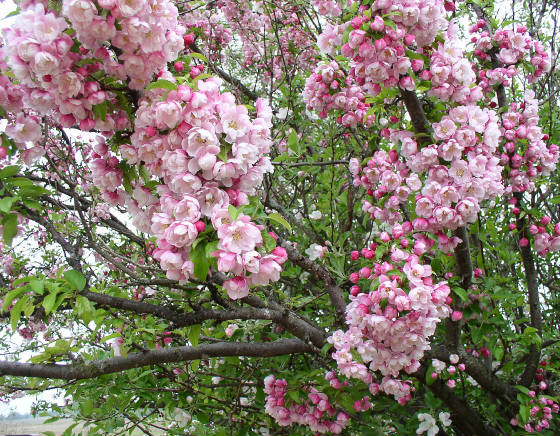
x: 148, y: 34
x: 450, y: 72
x: 58, y: 78
x: 389, y: 326
x: 460, y: 172
x: 210, y: 26
x: 377, y: 54
x: 326, y: 90
x: 525, y: 152
x: 317, y: 411
x: 514, y: 47
x: 210, y: 155
x: 329, y: 8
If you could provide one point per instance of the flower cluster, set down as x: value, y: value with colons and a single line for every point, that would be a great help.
x: 327, y: 90
x: 317, y: 411
x: 514, y: 47
x: 450, y: 72
x: 450, y: 194
x: 207, y: 24
x: 147, y: 36
x: 210, y: 155
x: 540, y: 413
x: 329, y: 8
x: 377, y: 52
x: 250, y: 19
x: 526, y: 152
x: 390, y: 325
x: 57, y: 78
x: 428, y: 423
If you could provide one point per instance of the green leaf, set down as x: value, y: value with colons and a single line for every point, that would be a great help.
x: 162, y: 84
x: 15, y: 313
x: 198, y: 56
x: 9, y: 171
x: 223, y: 154
x: 109, y: 337
x: 294, y: 395
x: 268, y: 241
x: 10, y: 228
x: 461, y: 293
x: 276, y: 217
x: 85, y: 308
x: 49, y: 302
x: 100, y: 110
x: 195, y: 364
x: 38, y: 286
x: 233, y: 212
x: 6, y: 204
x: 524, y: 414
x: 87, y: 406
x: 429, y: 379
x: 200, y: 261
x: 76, y: 279
x: 194, y: 335
x: 293, y: 140
x: 12, y: 295
x: 522, y: 389
x: 144, y: 173
x: 325, y: 349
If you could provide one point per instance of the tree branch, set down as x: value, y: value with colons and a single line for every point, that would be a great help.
x: 321, y: 273
x: 96, y: 368
x: 466, y: 420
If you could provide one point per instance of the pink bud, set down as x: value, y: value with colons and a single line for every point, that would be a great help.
x: 461, y: 367
x: 456, y: 316
x: 355, y: 255
x: 449, y: 6
x: 354, y: 277
x: 451, y: 383
x: 150, y: 131
x: 523, y: 242
x: 179, y: 67
x: 189, y: 39
x: 200, y: 226
x: 365, y: 272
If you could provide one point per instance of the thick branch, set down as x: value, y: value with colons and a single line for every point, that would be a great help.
x: 417, y: 116
x: 95, y: 368
x: 478, y: 370
x: 463, y: 264
x: 533, y: 296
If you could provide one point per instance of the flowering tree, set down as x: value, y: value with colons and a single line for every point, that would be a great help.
x: 308, y: 217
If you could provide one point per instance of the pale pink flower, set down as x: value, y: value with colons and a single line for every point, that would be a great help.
x: 236, y: 287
